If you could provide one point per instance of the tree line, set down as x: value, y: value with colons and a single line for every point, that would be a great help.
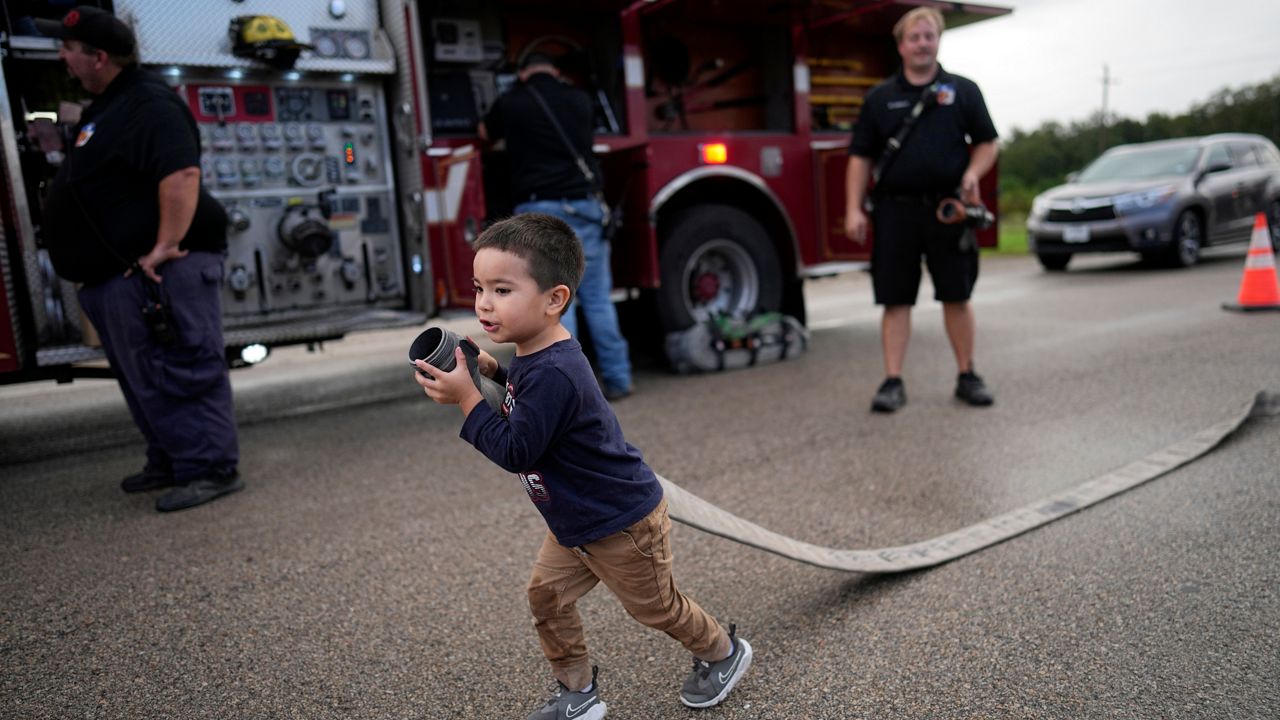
x: 1031, y: 162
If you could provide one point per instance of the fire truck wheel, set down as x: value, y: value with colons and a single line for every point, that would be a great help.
x: 716, y: 259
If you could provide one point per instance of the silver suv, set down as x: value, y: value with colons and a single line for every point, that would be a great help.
x: 1165, y: 200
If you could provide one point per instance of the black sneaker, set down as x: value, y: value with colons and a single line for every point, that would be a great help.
x: 199, y: 492
x: 971, y: 389
x: 709, y: 683
x: 568, y: 705
x: 891, y: 396
x: 614, y: 394
x: 146, y: 480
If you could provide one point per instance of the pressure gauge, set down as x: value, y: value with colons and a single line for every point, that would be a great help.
x: 315, y: 134
x: 247, y: 135
x: 355, y: 47
x: 273, y: 167
x: 325, y: 46
x: 293, y: 135
x: 270, y: 136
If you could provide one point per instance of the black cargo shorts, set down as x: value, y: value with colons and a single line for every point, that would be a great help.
x: 905, y: 230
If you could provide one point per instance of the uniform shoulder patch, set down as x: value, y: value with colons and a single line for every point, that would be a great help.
x: 86, y: 132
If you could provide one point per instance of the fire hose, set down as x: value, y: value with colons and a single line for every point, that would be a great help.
x: 691, y: 510
x: 696, y: 512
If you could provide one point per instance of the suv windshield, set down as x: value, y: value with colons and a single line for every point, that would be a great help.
x: 1141, y: 164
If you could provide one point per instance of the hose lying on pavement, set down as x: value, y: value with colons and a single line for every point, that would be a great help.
x: 695, y: 512
x: 687, y: 508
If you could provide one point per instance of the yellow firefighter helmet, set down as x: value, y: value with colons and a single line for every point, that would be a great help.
x: 265, y: 38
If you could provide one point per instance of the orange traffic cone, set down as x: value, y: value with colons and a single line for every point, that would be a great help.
x: 1259, y: 289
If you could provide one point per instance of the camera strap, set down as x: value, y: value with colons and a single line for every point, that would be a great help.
x: 928, y: 98
x: 583, y: 167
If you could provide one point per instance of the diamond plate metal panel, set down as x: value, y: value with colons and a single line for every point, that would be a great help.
x: 195, y: 33
x: 332, y: 324
x: 21, y: 223
x: 408, y: 107
x: 10, y: 322
x: 67, y: 355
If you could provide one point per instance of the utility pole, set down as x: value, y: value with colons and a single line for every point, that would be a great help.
x: 1107, y: 82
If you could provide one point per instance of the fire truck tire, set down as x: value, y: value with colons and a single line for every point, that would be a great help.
x: 716, y: 259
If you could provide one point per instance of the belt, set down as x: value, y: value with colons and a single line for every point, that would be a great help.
x: 535, y: 197
x: 929, y: 199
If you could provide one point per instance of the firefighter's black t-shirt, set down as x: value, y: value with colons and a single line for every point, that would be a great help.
x: 541, y: 164
x: 934, y: 155
x: 102, y: 210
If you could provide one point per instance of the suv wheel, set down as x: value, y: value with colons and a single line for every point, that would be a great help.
x: 1054, y: 262
x: 1273, y: 222
x: 1188, y: 238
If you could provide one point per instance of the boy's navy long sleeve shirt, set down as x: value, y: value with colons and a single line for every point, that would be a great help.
x: 560, y: 436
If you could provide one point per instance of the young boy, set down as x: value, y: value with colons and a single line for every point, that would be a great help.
x: 603, y: 505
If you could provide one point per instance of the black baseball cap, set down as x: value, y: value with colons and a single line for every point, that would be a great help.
x: 91, y: 26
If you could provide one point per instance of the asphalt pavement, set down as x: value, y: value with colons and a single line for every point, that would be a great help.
x: 374, y: 565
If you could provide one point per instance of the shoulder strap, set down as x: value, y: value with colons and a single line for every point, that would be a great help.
x: 583, y: 167
x: 928, y: 98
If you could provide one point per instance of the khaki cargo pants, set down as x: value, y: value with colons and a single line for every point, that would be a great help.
x: 636, y: 565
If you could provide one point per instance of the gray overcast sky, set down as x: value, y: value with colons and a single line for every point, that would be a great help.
x: 1044, y: 62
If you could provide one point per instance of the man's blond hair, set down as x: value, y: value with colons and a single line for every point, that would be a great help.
x: 932, y: 14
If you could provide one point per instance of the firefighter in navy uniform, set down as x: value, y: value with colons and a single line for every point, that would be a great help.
x: 126, y: 217
x: 934, y: 161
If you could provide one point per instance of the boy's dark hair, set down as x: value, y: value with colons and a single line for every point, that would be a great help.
x: 546, y: 242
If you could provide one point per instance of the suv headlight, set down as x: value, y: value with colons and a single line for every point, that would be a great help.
x: 1039, y: 206
x: 1132, y: 202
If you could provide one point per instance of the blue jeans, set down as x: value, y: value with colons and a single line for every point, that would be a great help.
x: 612, y: 354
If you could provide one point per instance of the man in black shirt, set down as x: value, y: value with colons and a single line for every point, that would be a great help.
x: 546, y: 178
x: 934, y: 161
x: 126, y: 217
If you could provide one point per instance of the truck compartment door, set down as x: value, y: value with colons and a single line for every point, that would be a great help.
x: 831, y: 160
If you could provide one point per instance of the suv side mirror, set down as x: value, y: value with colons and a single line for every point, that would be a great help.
x: 1214, y: 168
x: 1073, y: 176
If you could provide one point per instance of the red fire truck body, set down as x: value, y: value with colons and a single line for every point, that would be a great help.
x: 357, y: 180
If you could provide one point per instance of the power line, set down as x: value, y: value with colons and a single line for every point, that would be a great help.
x: 1220, y: 62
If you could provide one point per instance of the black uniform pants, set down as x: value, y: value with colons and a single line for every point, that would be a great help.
x: 179, y: 394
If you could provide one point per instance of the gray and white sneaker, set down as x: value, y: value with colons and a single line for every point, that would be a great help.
x: 568, y: 705
x: 709, y: 683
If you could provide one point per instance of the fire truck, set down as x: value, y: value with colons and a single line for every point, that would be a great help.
x: 355, y: 180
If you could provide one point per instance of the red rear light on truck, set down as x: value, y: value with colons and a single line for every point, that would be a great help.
x: 713, y: 153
